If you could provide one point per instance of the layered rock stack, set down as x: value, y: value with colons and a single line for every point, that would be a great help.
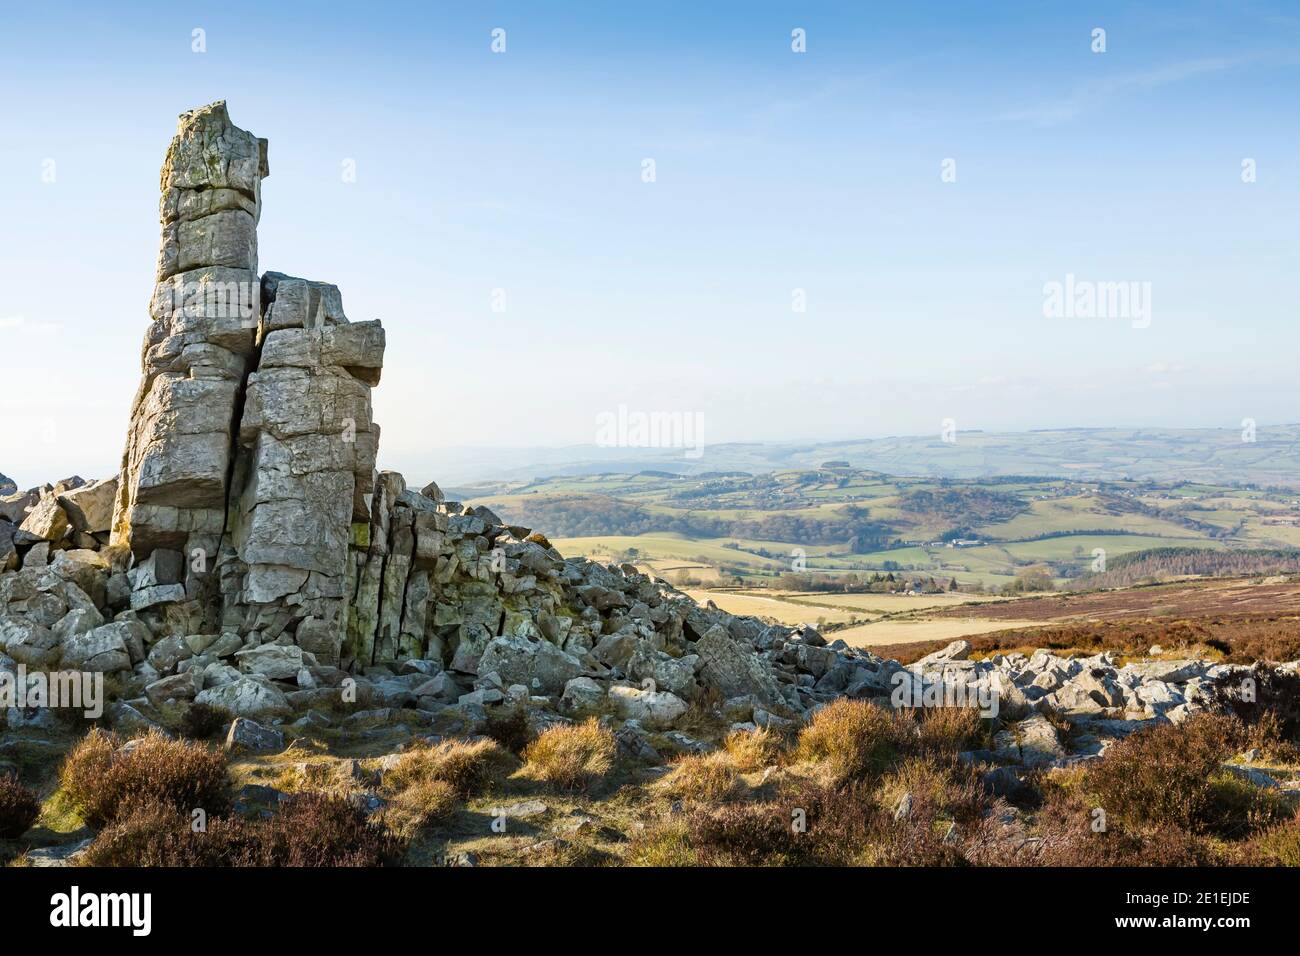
x: 201, y: 342
x: 304, y: 468
x: 251, y: 449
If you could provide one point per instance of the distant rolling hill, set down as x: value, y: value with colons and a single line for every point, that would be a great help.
x: 836, y: 519
x: 1210, y: 455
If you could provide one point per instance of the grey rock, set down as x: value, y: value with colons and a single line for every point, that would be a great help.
x: 733, y: 670
x: 167, y: 653
x: 90, y: 507
x: 159, y: 594
x: 65, y: 854
x: 538, y: 664
x: 177, y: 687
x: 248, y: 736
x: 104, y: 649
x: 1252, y: 775
x: 276, y: 661
x: 956, y: 651
x: 248, y: 696
x: 650, y: 708
x: 1002, y: 782
x: 1039, y: 742
x: 582, y: 694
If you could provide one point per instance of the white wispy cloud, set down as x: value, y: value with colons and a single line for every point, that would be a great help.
x: 1093, y: 94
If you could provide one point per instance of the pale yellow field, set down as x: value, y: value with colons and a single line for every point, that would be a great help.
x: 798, y: 607
x: 784, y: 612
x: 668, y: 568
x: 882, y: 603
x: 914, y: 631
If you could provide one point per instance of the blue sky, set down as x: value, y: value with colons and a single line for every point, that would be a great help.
x: 775, y: 171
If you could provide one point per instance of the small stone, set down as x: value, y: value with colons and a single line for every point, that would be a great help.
x: 904, y: 808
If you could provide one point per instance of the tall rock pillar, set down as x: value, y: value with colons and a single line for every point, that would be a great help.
x: 250, y: 460
x: 201, y: 342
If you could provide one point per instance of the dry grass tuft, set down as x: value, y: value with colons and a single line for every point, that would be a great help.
x: 752, y: 750
x: 951, y: 790
x: 571, y: 756
x: 467, y: 766
x: 666, y: 843
x: 855, y: 740
x: 705, y: 778
x: 430, y: 780
x: 565, y: 853
x: 421, y: 804
x: 951, y: 729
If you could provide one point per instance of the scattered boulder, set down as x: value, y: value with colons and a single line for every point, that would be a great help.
x: 247, y: 696
x: 47, y: 519
x: 650, y: 708
x: 733, y: 670
x: 276, y: 661
x: 248, y: 736
x: 104, y: 649
x: 167, y: 653
x: 90, y: 507
x: 582, y: 694
x: 956, y: 651
x: 1038, y: 741
x: 539, y: 665
x: 176, y: 687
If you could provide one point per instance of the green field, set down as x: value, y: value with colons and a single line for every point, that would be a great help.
x: 979, y: 532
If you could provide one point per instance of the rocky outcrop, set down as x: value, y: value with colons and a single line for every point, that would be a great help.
x: 249, y: 556
x: 69, y: 514
x: 251, y: 448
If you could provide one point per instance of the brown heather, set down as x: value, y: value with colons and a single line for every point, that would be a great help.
x: 310, y: 830
x: 103, y: 779
x: 19, y: 808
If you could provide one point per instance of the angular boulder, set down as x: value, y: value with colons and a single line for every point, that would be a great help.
x: 247, y: 696
x: 734, y: 670
x: 104, y: 649
x: 248, y: 736
x: 651, y: 708
x: 539, y: 665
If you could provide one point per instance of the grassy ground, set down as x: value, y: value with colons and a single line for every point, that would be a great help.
x: 844, y: 778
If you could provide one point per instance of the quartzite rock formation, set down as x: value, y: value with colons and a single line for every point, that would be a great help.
x: 258, y: 562
x: 251, y: 450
